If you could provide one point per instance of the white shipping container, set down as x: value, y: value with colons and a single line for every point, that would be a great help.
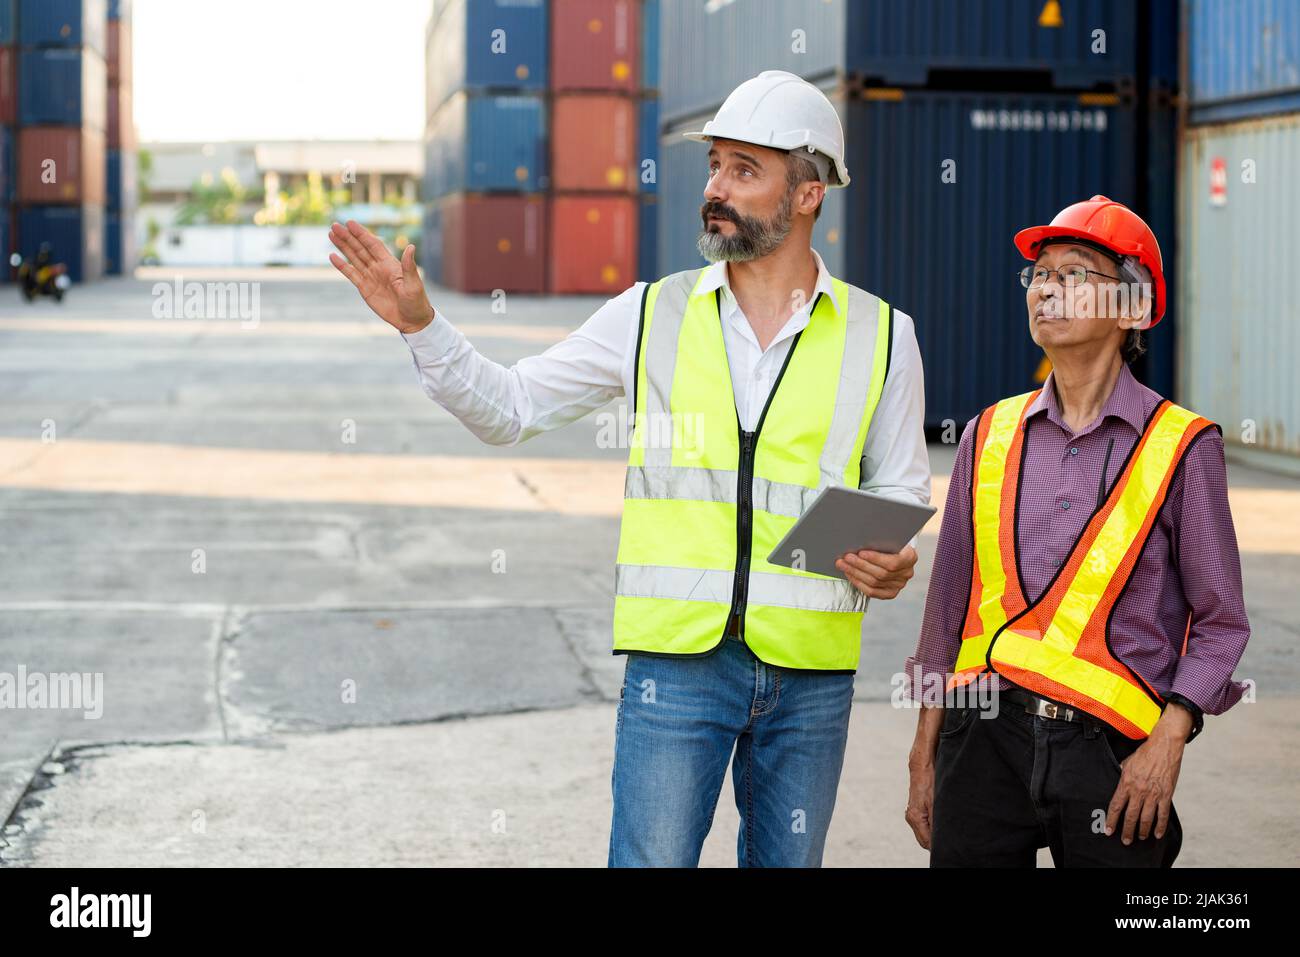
x: 1238, y: 259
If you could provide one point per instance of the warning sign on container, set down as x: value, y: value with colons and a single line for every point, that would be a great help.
x: 1218, y: 181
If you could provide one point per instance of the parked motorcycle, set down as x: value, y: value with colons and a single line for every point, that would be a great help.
x: 42, y: 277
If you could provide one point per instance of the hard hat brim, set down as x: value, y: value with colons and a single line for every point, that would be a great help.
x: 703, y: 137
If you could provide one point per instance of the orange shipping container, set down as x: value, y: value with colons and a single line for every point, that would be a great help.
x: 121, y: 118
x: 61, y: 165
x: 593, y: 244
x: 8, y: 86
x: 593, y: 143
x: 493, y: 242
x: 119, y: 52
x: 595, y: 44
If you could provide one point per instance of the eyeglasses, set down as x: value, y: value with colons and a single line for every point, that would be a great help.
x: 1031, y: 277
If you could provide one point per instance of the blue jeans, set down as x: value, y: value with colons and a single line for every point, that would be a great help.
x: 679, y: 720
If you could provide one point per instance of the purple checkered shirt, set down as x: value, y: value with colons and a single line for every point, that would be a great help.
x: 1190, y: 565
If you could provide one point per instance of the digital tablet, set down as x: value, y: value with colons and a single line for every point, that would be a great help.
x: 843, y: 519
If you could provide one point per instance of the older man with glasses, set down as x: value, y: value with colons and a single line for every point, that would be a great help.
x: 1087, y: 580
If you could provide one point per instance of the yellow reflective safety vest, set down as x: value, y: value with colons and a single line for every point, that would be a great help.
x: 1058, y: 647
x: 705, y: 502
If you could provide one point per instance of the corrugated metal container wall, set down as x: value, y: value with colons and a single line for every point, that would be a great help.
x: 121, y: 119
x: 647, y: 238
x: 593, y: 244
x: 650, y: 45
x: 942, y: 251
x: 119, y: 244
x: 79, y: 164
x: 915, y: 43
x: 1243, y: 58
x: 594, y: 142
x: 494, y: 242
x: 595, y: 45
x: 464, y: 47
x: 8, y: 86
x: 6, y: 247
x: 120, y: 59
x: 716, y: 46
x: 63, y: 23
x: 1240, y: 329
x: 647, y: 146
x: 75, y: 234
x: 122, y: 190
x: 8, y: 165
x: 483, y: 142
x: 8, y: 22
x: 63, y: 87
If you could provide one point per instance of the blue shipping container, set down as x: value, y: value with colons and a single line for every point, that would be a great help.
x: 59, y: 87
x: 63, y: 23
x: 6, y: 239
x: 485, y: 44
x: 933, y: 218
x: 8, y: 22
x: 75, y: 235
x: 119, y: 244
x: 647, y: 239
x: 650, y: 45
x: 716, y: 46
x: 1243, y: 58
x: 941, y: 183
x: 119, y: 9
x: 122, y: 181
x: 8, y: 165
x: 648, y: 145
x: 485, y: 143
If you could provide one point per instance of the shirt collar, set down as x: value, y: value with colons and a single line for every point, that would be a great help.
x: 1125, y: 402
x: 715, y: 276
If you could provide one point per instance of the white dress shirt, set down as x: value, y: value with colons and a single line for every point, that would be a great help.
x: 594, y: 365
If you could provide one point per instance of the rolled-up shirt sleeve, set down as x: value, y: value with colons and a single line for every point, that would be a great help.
x: 1209, y: 566
x: 507, y: 405
x: 945, y: 601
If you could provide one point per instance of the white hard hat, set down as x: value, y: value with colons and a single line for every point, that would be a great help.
x: 785, y: 112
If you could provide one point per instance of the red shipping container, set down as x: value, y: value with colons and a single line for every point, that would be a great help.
x: 119, y: 52
x: 121, y: 118
x: 595, y: 44
x: 8, y: 86
x: 61, y: 165
x: 494, y: 242
x: 593, y: 244
x: 593, y: 143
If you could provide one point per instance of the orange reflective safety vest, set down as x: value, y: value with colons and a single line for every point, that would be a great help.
x: 1058, y: 647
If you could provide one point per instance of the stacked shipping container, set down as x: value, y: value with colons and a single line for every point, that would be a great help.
x: 122, y: 166
x: 536, y: 158
x: 1238, y: 205
x: 965, y: 122
x: 62, y: 126
x: 486, y: 163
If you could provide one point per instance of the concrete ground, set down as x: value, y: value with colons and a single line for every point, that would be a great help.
x: 334, y: 628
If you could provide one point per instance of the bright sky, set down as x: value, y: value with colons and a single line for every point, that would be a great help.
x: 279, y: 69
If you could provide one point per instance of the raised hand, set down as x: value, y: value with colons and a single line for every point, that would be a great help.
x: 392, y: 289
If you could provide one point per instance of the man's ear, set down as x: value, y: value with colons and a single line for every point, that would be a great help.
x: 816, y: 194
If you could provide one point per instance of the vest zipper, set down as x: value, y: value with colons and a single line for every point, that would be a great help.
x: 744, y: 530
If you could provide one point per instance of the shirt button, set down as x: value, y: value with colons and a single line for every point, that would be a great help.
x: 1065, y: 505
x: 1074, y: 451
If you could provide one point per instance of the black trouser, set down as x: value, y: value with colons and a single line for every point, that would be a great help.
x: 1005, y: 786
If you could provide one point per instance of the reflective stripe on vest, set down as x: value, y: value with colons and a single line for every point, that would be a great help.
x: 1058, y: 647
x: 680, y: 534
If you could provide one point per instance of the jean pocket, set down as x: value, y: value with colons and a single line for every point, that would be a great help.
x: 955, y: 721
x: 1108, y: 747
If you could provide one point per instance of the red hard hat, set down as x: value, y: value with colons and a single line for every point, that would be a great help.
x: 1104, y: 222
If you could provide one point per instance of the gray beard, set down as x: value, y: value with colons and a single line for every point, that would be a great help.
x: 754, y: 238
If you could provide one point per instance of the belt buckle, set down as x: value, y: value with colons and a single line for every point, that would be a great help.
x: 1048, y: 709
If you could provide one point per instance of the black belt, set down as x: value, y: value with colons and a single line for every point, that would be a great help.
x: 1033, y: 704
